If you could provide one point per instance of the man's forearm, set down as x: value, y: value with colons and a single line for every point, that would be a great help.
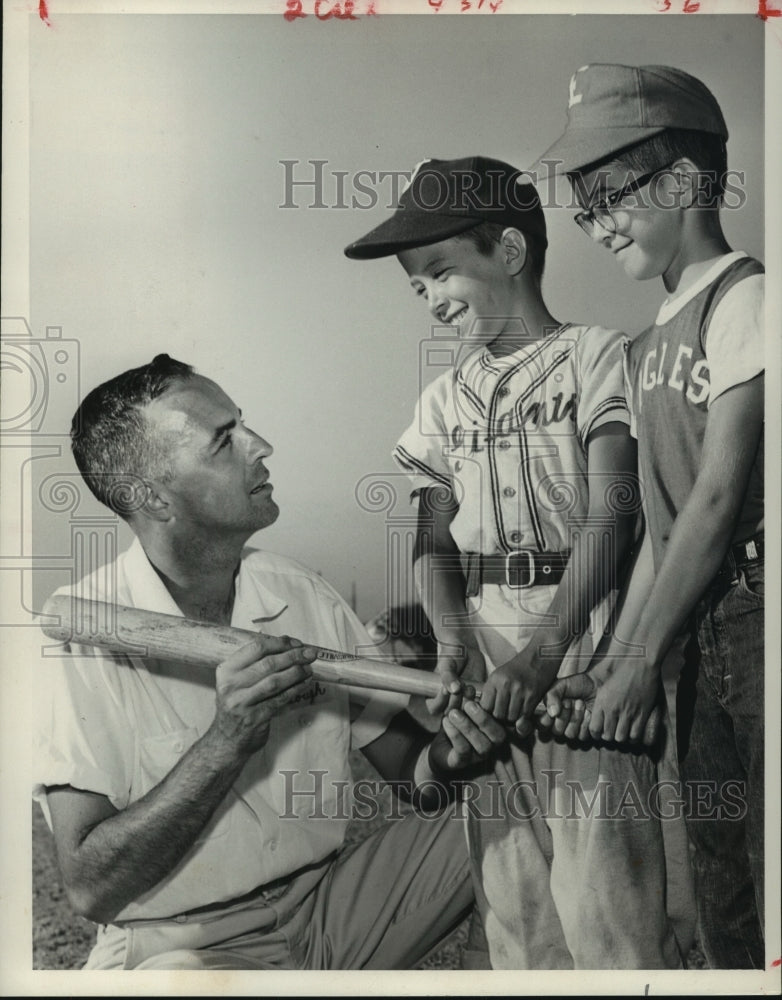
x: 129, y: 852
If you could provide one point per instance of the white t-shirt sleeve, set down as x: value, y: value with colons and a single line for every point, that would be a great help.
x: 419, y: 451
x: 601, y: 388
x: 734, y: 339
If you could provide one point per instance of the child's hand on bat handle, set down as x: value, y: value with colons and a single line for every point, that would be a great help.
x: 457, y: 664
x: 570, y: 703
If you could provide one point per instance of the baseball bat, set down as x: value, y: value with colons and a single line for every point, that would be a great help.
x: 137, y: 632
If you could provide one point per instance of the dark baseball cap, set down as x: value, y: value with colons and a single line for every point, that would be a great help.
x: 448, y: 197
x: 612, y: 106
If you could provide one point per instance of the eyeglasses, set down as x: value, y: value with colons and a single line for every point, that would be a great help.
x: 602, y: 212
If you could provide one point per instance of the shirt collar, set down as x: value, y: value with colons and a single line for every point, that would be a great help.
x: 674, y: 303
x: 144, y: 586
x: 254, y: 602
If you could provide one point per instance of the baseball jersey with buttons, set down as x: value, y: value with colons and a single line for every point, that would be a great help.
x: 508, y: 435
x: 703, y: 342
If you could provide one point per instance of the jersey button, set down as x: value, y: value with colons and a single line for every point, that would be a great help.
x: 505, y: 443
x: 509, y: 492
x: 516, y: 536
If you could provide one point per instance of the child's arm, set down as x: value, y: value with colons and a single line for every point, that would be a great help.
x: 570, y: 702
x: 696, y: 549
x: 513, y: 691
x: 441, y: 588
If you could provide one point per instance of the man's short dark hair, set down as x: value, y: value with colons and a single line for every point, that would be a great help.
x: 109, y: 439
x: 487, y: 235
x: 706, y: 150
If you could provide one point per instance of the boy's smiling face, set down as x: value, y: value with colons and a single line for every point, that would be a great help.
x: 464, y: 287
x: 648, y: 221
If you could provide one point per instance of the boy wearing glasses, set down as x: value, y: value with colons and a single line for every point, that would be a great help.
x: 524, y: 470
x: 644, y: 150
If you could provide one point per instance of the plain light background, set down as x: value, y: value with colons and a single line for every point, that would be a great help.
x: 154, y: 183
x: 155, y: 219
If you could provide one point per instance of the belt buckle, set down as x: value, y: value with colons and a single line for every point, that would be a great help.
x: 530, y: 567
x: 750, y: 548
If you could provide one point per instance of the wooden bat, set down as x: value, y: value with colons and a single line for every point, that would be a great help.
x: 136, y: 632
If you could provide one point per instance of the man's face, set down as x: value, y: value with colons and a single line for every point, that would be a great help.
x: 216, y: 479
x: 647, y: 221
x: 462, y: 286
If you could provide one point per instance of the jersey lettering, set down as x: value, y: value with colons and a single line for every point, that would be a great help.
x: 661, y: 365
x: 470, y: 441
x: 700, y: 376
x: 647, y: 382
x: 654, y: 373
x: 675, y: 381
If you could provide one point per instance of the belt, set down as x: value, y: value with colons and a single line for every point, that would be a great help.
x: 521, y: 569
x: 742, y: 554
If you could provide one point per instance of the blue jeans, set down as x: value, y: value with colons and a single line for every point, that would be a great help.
x: 720, y: 712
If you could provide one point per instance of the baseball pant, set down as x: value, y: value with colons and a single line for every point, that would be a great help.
x: 565, y: 839
x: 383, y: 903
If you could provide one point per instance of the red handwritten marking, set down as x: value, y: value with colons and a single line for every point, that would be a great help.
x: 776, y: 963
x: 336, y: 11
x: 765, y: 12
x: 43, y: 13
x: 324, y: 10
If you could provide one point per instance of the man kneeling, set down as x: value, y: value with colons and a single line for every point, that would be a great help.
x: 199, y: 816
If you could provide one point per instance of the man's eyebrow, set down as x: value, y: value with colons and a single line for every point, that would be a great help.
x: 223, y: 429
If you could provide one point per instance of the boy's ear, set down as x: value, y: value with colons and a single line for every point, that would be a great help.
x: 514, y: 250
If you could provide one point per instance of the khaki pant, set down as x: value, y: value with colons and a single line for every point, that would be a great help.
x: 567, y: 855
x: 384, y: 903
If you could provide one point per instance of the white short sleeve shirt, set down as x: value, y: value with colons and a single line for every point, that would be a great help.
x: 116, y: 725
